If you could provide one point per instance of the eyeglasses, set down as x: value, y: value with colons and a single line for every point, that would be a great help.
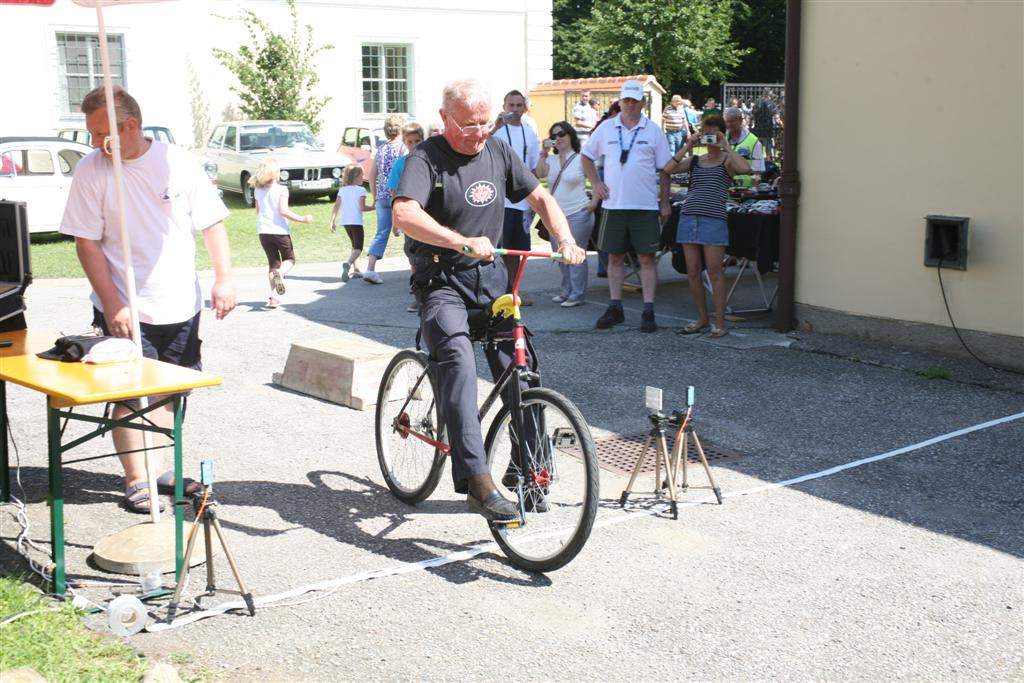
x: 470, y: 130
x: 558, y: 134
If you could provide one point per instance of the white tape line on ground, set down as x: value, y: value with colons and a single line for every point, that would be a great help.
x: 602, y: 521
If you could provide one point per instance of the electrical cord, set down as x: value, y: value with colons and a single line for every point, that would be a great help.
x: 942, y: 288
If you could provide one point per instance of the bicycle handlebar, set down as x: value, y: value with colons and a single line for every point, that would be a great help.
x: 553, y: 255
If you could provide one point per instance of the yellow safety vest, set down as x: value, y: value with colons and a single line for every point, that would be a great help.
x: 745, y: 148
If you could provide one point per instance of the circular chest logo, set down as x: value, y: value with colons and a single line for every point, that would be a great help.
x: 481, y: 193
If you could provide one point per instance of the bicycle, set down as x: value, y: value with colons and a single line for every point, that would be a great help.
x: 554, y: 475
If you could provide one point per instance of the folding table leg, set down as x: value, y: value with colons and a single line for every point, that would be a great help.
x: 56, y: 478
x: 5, y: 468
x: 179, y: 490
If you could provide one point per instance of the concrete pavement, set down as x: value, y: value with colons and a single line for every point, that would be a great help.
x: 907, y: 567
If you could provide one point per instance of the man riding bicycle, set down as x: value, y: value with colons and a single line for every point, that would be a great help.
x: 449, y: 205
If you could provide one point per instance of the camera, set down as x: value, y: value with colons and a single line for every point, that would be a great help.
x: 549, y: 143
x: 708, y: 139
x: 507, y: 116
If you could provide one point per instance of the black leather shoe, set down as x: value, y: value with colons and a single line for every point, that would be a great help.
x: 535, y: 502
x: 612, y: 316
x: 495, y: 507
x: 647, y: 323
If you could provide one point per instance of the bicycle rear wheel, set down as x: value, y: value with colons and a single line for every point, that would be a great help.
x: 559, y: 483
x: 406, y: 401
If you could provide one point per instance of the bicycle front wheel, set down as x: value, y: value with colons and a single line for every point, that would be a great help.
x: 555, y: 480
x: 406, y: 407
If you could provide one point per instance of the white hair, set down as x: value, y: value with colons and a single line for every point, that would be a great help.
x: 732, y: 111
x: 468, y: 91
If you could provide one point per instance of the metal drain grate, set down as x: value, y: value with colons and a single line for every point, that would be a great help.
x: 620, y: 453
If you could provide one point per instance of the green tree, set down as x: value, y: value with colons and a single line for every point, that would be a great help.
x: 676, y: 40
x: 569, y: 22
x: 276, y: 72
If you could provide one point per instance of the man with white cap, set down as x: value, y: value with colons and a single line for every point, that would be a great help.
x: 635, y: 197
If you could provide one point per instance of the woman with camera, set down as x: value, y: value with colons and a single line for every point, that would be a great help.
x: 703, y: 229
x: 567, y: 185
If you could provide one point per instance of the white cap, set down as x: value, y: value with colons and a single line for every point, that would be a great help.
x: 632, y: 89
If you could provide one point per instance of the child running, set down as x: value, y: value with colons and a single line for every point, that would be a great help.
x: 352, y: 204
x: 272, y: 216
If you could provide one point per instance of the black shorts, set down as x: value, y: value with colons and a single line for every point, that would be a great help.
x: 176, y: 343
x: 278, y: 249
x: 514, y: 234
x: 355, y: 235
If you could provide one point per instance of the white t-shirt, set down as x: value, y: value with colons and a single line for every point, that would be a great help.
x: 585, y: 113
x: 351, y: 197
x: 634, y: 184
x: 523, y: 141
x: 571, y: 193
x: 269, y: 220
x: 167, y: 197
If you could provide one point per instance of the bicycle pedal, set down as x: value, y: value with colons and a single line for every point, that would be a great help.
x: 507, y: 524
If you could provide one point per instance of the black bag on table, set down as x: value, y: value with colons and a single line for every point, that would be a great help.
x: 73, y: 348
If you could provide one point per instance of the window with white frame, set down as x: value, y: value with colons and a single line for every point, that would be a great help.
x: 81, y: 67
x: 386, y: 76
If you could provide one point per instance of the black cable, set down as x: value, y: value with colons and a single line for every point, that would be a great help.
x: 942, y: 288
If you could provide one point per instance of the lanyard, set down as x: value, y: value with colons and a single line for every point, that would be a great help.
x: 509, y: 136
x: 632, y: 140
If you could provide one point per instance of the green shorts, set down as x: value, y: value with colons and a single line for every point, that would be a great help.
x: 624, y: 229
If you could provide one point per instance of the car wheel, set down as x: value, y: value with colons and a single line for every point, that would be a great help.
x: 247, y: 193
x: 333, y: 197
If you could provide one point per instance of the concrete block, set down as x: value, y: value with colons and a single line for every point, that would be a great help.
x: 338, y: 369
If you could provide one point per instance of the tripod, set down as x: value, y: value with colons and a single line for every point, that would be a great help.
x: 671, y: 461
x: 207, y: 511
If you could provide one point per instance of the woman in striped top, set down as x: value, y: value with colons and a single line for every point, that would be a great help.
x: 703, y: 230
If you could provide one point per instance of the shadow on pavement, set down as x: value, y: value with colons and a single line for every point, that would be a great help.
x: 348, y: 507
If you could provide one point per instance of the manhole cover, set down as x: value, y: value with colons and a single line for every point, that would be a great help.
x: 620, y: 453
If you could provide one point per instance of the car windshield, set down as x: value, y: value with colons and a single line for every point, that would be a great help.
x: 270, y: 136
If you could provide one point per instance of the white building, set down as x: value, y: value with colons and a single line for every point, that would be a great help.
x: 389, y: 55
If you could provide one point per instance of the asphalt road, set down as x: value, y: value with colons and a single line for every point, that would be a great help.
x: 904, y: 568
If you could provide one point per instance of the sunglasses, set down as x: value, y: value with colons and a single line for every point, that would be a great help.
x: 558, y: 134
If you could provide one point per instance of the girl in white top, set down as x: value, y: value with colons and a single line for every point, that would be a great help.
x: 567, y: 184
x: 352, y: 204
x: 272, y: 216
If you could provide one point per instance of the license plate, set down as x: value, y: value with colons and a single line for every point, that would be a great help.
x: 314, y: 184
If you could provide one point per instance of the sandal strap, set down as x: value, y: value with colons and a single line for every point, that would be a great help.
x: 141, y: 486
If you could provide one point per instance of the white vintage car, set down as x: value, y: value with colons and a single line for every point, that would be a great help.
x: 239, y: 147
x: 38, y: 171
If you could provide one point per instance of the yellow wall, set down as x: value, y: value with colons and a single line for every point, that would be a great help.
x: 910, y: 108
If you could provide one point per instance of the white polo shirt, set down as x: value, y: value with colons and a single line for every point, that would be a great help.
x: 634, y: 184
x: 523, y: 141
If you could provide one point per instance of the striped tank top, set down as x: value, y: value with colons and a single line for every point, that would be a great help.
x: 709, y: 190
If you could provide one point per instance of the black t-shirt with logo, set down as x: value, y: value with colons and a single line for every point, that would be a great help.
x: 464, y: 193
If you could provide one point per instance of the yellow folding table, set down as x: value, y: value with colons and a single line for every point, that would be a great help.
x: 68, y: 385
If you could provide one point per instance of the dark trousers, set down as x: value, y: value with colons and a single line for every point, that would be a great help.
x: 451, y: 301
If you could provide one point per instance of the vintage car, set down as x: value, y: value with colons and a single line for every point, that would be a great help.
x: 160, y: 133
x: 359, y: 143
x: 239, y: 147
x: 37, y: 171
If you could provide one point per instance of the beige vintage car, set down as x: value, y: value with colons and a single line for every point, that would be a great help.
x: 238, y: 148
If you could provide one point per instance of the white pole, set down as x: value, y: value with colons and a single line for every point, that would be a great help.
x: 129, y: 268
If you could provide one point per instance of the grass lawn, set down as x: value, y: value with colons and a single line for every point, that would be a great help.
x: 56, y: 644
x: 53, y: 256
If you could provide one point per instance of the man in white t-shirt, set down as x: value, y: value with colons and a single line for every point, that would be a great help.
x: 167, y: 196
x: 635, y: 198
x: 511, y: 129
x: 583, y: 115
